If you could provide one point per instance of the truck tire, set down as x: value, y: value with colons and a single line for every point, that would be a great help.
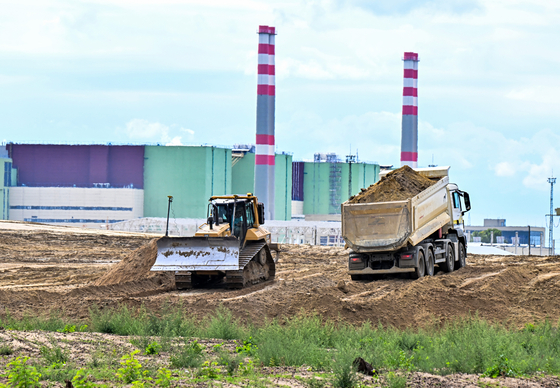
x: 357, y: 277
x: 430, y: 263
x: 449, y: 263
x: 462, y: 262
x: 421, y: 268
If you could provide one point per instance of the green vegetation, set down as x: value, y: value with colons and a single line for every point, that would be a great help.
x: 486, y: 235
x: 326, y: 349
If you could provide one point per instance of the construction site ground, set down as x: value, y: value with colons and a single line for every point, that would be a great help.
x: 47, y: 268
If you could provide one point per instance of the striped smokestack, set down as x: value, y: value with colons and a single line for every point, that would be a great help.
x: 409, y: 140
x: 264, y: 158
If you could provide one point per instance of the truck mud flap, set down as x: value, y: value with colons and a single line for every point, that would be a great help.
x: 197, y: 254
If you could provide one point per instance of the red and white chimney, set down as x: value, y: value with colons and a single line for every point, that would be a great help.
x: 409, y: 139
x: 266, y: 91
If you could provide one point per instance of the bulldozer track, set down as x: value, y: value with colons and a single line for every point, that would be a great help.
x: 238, y: 279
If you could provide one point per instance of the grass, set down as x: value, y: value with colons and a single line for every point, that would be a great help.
x: 466, y: 345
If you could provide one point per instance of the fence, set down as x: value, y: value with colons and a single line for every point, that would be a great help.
x: 287, y: 232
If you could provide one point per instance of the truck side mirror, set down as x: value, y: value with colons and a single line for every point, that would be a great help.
x: 467, y: 201
x: 260, y: 210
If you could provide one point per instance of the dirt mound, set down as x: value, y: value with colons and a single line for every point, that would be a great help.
x: 136, y: 266
x: 397, y: 185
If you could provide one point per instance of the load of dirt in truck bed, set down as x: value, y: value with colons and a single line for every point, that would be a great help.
x: 136, y: 266
x: 397, y: 185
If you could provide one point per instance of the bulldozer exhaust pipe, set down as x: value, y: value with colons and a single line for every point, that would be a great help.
x: 168, y: 208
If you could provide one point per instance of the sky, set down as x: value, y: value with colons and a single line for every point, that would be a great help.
x: 185, y: 72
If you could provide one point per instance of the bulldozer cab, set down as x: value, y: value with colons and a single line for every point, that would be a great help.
x: 237, y: 213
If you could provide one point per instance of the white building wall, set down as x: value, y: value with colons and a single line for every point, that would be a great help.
x: 77, y: 206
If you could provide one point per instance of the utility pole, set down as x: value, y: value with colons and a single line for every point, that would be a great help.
x: 552, y: 181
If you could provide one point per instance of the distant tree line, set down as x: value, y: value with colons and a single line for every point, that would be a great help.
x: 486, y: 234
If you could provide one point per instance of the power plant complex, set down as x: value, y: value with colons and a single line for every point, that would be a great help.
x: 93, y: 185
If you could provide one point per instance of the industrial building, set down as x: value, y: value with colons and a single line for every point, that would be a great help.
x: 93, y: 185
x: 319, y: 187
x: 509, y: 234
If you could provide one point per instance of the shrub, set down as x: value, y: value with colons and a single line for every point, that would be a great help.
x: 131, y: 369
x: 22, y: 375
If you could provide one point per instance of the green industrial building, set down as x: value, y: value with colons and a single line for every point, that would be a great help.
x: 320, y: 187
x: 193, y: 174
x: 190, y: 174
x: 10, y: 179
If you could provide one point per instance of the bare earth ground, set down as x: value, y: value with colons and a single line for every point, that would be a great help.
x: 48, y: 268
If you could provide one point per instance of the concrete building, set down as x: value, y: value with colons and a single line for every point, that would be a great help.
x: 76, y: 184
x: 509, y: 233
x: 319, y: 187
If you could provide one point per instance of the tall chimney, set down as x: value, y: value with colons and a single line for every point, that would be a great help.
x: 264, y: 158
x: 409, y: 139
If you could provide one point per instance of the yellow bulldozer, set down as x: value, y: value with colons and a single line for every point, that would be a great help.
x: 231, y: 249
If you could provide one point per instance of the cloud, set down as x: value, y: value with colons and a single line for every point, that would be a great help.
x: 143, y: 129
x: 406, y: 6
x: 176, y: 141
x: 505, y: 169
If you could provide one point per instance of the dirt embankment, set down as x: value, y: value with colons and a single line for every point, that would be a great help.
x: 397, y: 185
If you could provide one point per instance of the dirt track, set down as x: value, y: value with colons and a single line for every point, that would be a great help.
x: 46, y: 268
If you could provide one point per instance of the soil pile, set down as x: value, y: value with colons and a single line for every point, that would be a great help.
x: 398, y: 185
x: 136, y: 266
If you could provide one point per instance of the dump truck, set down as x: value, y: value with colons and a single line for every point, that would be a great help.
x: 231, y: 249
x: 408, y: 236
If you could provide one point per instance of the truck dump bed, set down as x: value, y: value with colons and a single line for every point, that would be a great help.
x: 384, y: 226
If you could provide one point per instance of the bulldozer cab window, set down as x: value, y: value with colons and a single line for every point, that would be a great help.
x: 239, y: 222
x: 223, y: 213
x: 250, y: 215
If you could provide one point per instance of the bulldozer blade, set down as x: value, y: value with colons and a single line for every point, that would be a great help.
x: 197, y: 254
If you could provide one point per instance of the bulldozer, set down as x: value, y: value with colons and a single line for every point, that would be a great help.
x: 231, y: 249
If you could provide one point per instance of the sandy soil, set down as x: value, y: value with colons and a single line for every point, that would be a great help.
x: 70, y: 270
x: 397, y: 185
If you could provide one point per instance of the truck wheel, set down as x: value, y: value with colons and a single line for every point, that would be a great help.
x: 430, y: 263
x: 449, y: 263
x: 421, y: 268
x: 357, y: 277
x: 462, y: 257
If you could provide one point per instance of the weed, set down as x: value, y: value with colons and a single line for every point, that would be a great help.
x: 68, y: 329
x: 344, y: 370
x: 246, y: 368
x: 153, y: 348
x: 163, y: 378
x: 188, y: 357
x: 131, y: 369
x: 222, y: 325
x: 81, y: 380
x: 231, y: 362
x: 22, y: 375
x: 248, y: 348
x: 502, y: 368
x: 54, y: 354
x: 395, y: 380
x: 313, y: 382
x: 210, y: 370
x: 6, y: 350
